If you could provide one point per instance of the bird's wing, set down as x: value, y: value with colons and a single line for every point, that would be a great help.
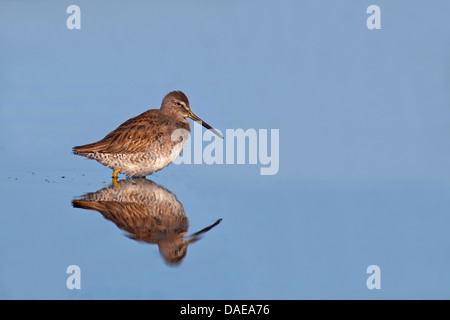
x: 134, y: 135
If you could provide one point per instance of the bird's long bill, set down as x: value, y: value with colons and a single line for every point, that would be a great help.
x: 203, y: 123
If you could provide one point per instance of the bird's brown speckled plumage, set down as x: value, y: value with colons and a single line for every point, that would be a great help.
x: 138, y: 134
x: 148, y: 142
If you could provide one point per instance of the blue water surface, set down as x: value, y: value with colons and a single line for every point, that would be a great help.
x: 364, y: 149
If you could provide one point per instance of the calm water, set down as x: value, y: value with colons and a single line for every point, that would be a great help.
x: 363, y: 163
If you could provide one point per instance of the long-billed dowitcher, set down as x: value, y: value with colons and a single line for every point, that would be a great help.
x: 146, y: 143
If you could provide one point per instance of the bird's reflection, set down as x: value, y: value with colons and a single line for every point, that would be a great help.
x: 148, y: 212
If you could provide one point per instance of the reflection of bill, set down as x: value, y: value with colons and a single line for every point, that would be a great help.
x: 148, y: 212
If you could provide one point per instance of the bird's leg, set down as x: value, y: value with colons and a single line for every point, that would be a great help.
x: 115, y: 173
x: 114, y: 178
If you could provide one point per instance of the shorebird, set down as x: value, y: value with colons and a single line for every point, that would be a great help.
x: 148, y: 142
x: 148, y: 212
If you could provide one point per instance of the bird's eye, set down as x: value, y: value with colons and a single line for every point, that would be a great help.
x: 178, y: 103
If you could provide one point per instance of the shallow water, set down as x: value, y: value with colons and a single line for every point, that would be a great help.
x: 283, y: 240
x: 363, y: 165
